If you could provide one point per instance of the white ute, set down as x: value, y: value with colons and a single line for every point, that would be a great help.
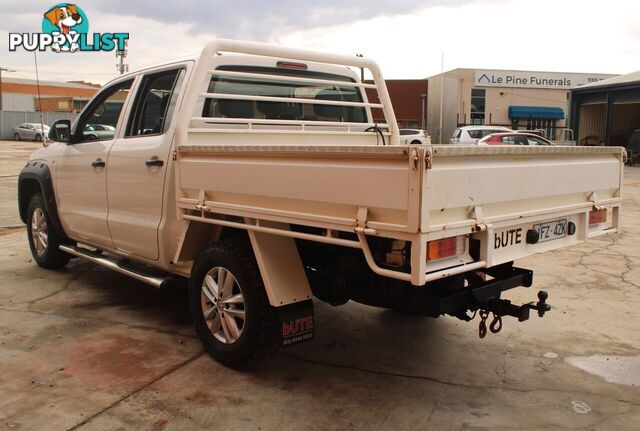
x: 257, y: 174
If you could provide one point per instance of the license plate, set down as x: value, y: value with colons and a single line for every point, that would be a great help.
x: 551, y: 230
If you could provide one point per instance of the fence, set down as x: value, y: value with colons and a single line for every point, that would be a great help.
x: 11, y: 119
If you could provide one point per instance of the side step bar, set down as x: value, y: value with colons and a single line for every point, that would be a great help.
x: 113, y: 264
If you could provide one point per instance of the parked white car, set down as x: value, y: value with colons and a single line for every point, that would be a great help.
x: 415, y: 137
x: 469, y: 135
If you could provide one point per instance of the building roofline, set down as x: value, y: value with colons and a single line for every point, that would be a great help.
x: 617, y: 82
x: 464, y: 69
x: 25, y: 81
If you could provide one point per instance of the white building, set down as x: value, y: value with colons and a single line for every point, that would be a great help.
x: 512, y: 98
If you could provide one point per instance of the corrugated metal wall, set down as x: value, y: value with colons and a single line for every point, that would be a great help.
x: 626, y: 119
x: 10, y: 119
x: 592, y: 121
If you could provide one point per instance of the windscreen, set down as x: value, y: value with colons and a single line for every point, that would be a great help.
x: 221, y: 107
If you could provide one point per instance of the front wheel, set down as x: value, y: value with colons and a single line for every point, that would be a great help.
x: 229, y: 305
x: 43, y: 239
x: 16, y: 137
x: 38, y: 138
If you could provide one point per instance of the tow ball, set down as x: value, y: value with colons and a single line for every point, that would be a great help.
x: 504, y: 307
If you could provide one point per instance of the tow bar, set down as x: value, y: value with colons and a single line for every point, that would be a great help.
x: 504, y: 307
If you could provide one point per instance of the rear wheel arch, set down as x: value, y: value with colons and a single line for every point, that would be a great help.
x: 257, y: 335
x: 197, y: 236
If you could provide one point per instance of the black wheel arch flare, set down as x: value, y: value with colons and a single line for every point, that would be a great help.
x: 34, y: 178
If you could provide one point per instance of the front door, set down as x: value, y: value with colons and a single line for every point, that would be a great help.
x: 138, y: 164
x: 81, y: 171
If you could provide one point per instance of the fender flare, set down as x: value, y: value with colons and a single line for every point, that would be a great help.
x: 37, y: 171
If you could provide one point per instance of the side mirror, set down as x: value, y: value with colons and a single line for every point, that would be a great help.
x: 60, y: 131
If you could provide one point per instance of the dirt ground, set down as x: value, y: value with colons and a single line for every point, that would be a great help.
x: 85, y: 348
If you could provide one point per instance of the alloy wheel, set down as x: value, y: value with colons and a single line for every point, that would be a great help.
x: 223, y: 305
x: 39, y: 234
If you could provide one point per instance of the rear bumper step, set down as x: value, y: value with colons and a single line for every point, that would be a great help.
x: 115, y: 264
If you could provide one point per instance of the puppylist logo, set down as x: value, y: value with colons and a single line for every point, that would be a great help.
x: 65, y: 28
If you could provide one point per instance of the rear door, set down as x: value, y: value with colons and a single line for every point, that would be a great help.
x: 138, y: 164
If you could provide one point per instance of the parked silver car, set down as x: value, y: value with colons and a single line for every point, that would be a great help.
x: 98, y: 131
x: 30, y: 132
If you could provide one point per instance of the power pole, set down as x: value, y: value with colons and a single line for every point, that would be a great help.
x: 442, y: 80
x: 361, y: 69
x: 44, y: 138
x: 3, y: 69
x: 120, y: 55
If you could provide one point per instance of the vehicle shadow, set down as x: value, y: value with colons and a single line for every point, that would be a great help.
x: 349, y: 335
x: 98, y: 293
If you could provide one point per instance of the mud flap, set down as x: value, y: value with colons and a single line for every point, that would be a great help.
x: 296, y: 323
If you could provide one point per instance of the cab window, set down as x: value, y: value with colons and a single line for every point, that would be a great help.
x: 408, y: 132
x: 520, y: 140
x: 535, y: 141
x: 99, y: 121
x: 155, y: 103
x: 282, y: 110
x: 476, y: 133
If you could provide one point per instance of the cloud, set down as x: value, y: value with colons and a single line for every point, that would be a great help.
x: 548, y: 35
x: 158, y: 32
x: 150, y: 43
x: 257, y: 19
x: 405, y: 37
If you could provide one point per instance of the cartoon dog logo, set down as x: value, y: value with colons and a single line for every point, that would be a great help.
x: 65, y: 17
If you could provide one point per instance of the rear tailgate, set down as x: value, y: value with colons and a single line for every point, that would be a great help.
x: 500, y: 193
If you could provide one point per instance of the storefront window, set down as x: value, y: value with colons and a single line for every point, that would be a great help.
x: 478, y: 103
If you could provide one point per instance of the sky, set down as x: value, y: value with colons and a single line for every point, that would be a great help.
x: 408, y: 38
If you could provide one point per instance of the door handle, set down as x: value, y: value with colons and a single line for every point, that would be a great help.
x: 98, y: 163
x: 154, y: 162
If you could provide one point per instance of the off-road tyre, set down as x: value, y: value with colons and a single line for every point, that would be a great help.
x: 51, y: 257
x: 259, y: 334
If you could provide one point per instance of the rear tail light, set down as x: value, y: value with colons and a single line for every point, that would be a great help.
x: 447, y: 247
x: 597, y: 216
